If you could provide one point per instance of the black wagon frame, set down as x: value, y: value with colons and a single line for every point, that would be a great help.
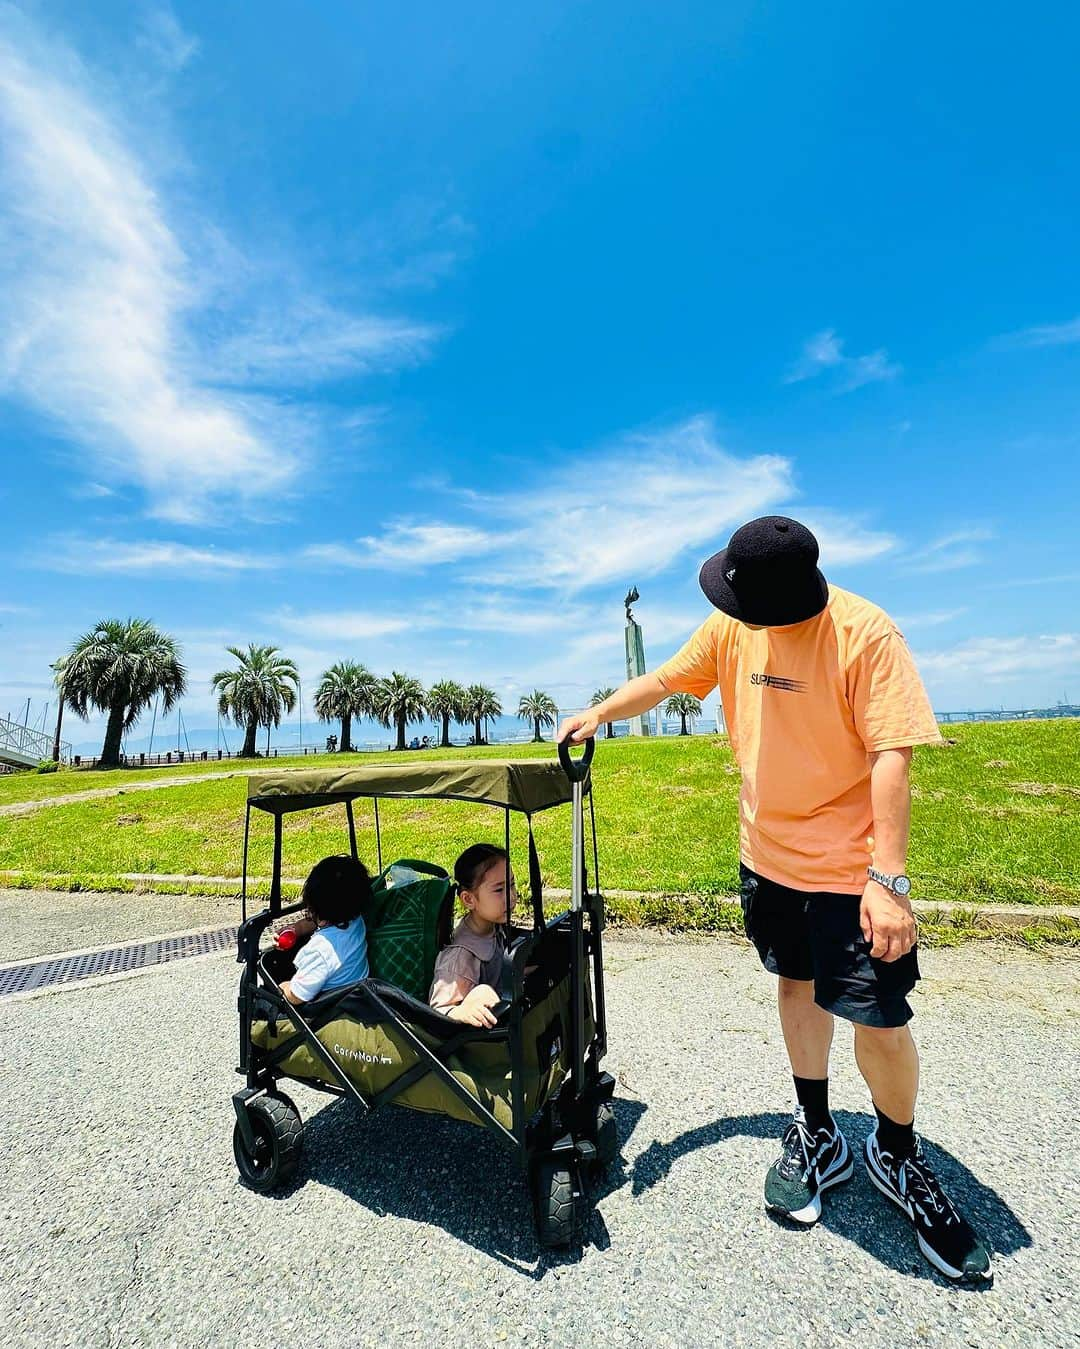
x: 567, y: 1132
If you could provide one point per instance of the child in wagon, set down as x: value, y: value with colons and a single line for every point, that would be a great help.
x: 468, y: 970
x: 335, y: 893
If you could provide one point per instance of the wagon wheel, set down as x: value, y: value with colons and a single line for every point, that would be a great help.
x: 605, y: 1137
x: 560, y: 1203
x: 279, y: 1134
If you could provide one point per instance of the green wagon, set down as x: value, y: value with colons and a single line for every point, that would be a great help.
x: 533, y: 1080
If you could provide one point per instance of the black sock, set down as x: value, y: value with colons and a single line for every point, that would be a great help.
x: 897, y: 1139
x: 813, y: 1094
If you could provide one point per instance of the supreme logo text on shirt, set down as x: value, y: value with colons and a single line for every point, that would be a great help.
x: 779, y: 682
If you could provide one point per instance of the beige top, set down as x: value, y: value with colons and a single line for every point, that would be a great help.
x: 468, y: 960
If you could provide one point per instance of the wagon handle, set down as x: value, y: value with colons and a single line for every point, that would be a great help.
x: 577, y: 770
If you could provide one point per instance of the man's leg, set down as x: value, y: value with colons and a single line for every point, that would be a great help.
x: 889, y: 1063
x: 808, y: 1028
x: 872, y: 994
x: 815, y: 1155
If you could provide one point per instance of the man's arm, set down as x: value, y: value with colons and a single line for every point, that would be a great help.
x: 887, y: 920
x: 639, y: 695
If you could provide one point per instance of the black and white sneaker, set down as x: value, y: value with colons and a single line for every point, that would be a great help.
x: 810, y: 1163
x: 944, y: 1236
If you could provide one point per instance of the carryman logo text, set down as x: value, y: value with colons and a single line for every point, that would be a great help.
x: 360, y: 1056
x: 778, y: 682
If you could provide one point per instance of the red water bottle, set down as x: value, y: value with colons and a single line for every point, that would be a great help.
x: 287, y: 938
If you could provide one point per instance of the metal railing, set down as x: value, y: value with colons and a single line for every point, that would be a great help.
x: 24, y: 746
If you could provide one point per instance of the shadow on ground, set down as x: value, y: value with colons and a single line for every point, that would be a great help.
x: 855, y: 1211
x: 453, y: 1175
x: 433, y: 1170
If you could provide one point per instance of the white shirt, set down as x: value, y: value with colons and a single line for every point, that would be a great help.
x: 331, y: 958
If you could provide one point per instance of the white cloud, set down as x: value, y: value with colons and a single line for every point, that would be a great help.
x: 650, y: 498
x: 844, y: 541
x: 339, y: 625
x: 161, y: 35
x: 90, y: 491
x: 934, y: 618
x: 405, y: 546
x: 79, y: 556
x: 1062, y: 578
x: 825, y: 352
x: 950, y: 552
x: 310, y: 342
x: 631, y: 510
x: 1043, y: 335
x: 100, y: 303
x: 997, y: 659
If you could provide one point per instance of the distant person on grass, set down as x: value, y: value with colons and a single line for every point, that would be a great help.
x: 823, y: 704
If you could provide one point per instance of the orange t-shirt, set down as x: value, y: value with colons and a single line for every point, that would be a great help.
x: 805, y: 705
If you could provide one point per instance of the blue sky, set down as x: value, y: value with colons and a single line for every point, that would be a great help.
x: 417, y: 334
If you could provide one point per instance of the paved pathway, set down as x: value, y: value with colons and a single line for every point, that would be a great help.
x: 122, y: 789
x: 125, y: 1225
x: 47, y: 922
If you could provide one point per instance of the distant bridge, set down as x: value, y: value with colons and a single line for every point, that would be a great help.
x: 21, y: 747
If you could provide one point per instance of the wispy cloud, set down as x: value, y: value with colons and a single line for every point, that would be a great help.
x: 100, y: 303
x: 406, y: 546
x: 1003, y: 658
x: 312, y: 343
x: 339, y: 625
x: 824, y: 353
x: 90, y: 491
x: 844, y: 541
x: 1060, y: 578
x: 165, y: 41
x: 950, y: 552
x: 933, y: 618
x: 653, y: 498
x: 649, y: 499
x: 1043, y: 335
x: 78, y: 556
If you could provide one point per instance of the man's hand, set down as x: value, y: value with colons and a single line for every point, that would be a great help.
x: 887, y: 922
x: 581, y: 726
x: 475, y: 1008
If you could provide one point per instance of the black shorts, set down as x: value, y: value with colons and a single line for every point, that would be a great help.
x: 817, y: 936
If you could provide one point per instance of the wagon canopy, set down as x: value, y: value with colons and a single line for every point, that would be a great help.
x: 527, y: 785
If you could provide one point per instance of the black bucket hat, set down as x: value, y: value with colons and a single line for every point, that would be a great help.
x: 768, y: 574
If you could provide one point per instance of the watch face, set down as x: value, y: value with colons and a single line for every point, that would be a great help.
x: 901, y: 886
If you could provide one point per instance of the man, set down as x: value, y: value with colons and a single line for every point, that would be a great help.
x: 823, y: 704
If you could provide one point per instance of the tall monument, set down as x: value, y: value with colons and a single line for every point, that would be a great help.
x: 635, y: 659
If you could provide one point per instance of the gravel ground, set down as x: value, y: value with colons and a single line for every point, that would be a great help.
x: 47, y: 922
x: 125, y: 1224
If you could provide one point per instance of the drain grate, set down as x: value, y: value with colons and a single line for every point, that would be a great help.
x: 116, y: 960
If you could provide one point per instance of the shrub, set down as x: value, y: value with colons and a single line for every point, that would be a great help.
x: 47, y: 766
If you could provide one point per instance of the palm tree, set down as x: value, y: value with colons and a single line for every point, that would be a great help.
x: 345, y: 691
x: 120, y: 667
x: 255, y: 694
x: 683, y: 705
x: 446, y: 702
x: 480, y: 705
x: 397, y: 701
x: 595, y: 701
x: 540, y: 709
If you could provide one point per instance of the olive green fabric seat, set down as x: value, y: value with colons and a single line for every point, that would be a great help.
x: 373, y: 1053
x: 408, y: 918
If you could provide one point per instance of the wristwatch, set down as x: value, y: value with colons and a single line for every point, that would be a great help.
x: 899, y: 885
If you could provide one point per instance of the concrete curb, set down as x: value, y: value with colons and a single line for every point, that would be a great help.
x: 999, y: 918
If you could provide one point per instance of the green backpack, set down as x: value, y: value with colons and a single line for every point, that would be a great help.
x: 408, y: 920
